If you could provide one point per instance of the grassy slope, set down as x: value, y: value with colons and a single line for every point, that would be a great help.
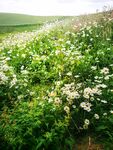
x: 8, y: 19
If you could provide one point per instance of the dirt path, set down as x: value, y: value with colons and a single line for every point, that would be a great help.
x: 87, y: 143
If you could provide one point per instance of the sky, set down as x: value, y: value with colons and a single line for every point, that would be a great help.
x: 53, y: 7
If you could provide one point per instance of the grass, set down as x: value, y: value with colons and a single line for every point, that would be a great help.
x: 18, y: 28
x: 10, y: 19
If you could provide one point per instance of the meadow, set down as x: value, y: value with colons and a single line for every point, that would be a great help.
x: 57, y: 86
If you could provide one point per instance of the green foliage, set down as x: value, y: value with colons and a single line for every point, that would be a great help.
x: 30, y: 126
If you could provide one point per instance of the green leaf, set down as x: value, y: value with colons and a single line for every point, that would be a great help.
x: 101, y: 127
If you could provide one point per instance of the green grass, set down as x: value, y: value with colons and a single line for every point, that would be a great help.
x: 10, y: 19
x: 19, y: 28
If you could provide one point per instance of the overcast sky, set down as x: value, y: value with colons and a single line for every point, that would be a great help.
x: 53, y: 7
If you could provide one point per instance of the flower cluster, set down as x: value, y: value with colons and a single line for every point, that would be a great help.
x: 86, y: 106
x: 70, y: 92
x: 86, y: 124
x: 91, y: 91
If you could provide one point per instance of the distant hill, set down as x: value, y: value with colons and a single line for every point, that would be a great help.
x: 11, y: 19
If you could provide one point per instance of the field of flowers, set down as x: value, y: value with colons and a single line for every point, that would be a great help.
x: 56, y: 84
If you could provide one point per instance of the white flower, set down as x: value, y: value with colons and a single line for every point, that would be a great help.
x: 98, y: 81
x: 32, y: 93
x: 14, y: 75
x: 69, y: 74
x: 94, y: 67
x: 50, y: 100
x: 67, y: 109
x: 87, y: 92
x: 13, y: 82
x: 103, y: 101
x: 103, y: 85
x: 104, y: 114
x: 73, y: 95
x: 111, y: 65
x: 24, y: 72
x: 8, y: 58
x: 43, y: 57
x: 105, y: 70
x: 96, y: 116
x: 85, y: 126
x: 5, y: 67
x: 86, y: 121
x: 98, y: 99
x: 90, y: 92
x: 20, y: 97
x: 70, y: 101
x: 96, y: 77
x: 88, y: 109
x: 3, y: 78
x: 57, y: 101
x: 106, y: 78
x: 108, y: 39
x: 92, y: 98
x: 22, y: 67
x: 74, y: 106
x: 58, y: 83
x: 77, y: 76
x: 86, y: 96
x: 86, y: 106
x: 96, y: 90
x: 83, y: 104
x: 111, y: 111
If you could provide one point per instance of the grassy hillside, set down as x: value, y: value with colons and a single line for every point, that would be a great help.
x: 10, y: 19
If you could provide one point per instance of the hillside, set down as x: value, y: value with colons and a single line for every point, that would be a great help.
x: 10, y: 19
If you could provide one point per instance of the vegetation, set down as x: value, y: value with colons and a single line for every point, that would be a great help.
x: 57, y: 85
